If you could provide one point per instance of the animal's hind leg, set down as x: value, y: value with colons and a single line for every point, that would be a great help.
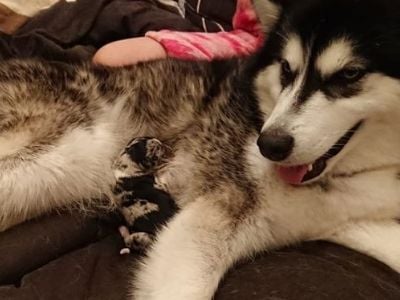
x: 66, y: 172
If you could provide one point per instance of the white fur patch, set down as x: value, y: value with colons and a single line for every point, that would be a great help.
x: 336, y: 56
x: 294, y: 52
x: 268, y: 13
x: 268, y: 88
x: 12, y: 145
x: 258, y: 164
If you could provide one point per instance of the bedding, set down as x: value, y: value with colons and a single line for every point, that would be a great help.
x: 68, y: 255
x: 64, y: 257
x: 73, y: 31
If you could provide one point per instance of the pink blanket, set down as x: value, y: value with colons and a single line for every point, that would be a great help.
x: 243, y: 40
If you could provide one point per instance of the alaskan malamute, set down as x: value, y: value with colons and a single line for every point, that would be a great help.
x: 299, y: 142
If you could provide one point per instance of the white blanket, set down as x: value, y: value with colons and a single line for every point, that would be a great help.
x: 29, y: 7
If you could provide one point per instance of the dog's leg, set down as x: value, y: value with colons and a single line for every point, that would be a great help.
x: 379, y: 239
x: 188, y: 259
x: 193, y: 253
x: 68, y: 173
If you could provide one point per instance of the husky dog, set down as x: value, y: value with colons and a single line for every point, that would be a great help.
x: 300, y: 142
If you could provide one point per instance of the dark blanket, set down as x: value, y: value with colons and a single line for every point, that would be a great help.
x: 62, y: 257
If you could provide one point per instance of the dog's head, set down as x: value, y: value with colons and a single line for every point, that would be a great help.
x: 327, y: 77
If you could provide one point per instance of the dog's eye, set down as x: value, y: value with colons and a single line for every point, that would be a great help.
x: 349, y: 75
x: 287, y: 74
x: 286, y: 69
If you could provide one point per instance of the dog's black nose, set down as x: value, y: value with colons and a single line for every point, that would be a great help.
x: 275, y: 145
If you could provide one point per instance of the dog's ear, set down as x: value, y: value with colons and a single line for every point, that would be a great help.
x: 268, y: 12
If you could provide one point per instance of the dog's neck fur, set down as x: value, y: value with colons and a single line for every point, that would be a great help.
x: 380, y: 154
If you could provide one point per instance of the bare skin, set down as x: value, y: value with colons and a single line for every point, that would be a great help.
x: 129, y: 52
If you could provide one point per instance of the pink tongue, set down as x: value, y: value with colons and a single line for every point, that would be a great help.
x: 292, y: 175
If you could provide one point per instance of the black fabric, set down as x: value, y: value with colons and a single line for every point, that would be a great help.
x: 311, y: 271
x: 211, y: 15
x: 123, y: 19
x: 94, y: 271
x: 73, y: 31
x: 36, y: 243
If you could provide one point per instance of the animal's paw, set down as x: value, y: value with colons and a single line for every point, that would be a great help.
x: 137, y: 241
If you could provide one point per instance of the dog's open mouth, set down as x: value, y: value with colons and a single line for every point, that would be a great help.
x: 297, y: 175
